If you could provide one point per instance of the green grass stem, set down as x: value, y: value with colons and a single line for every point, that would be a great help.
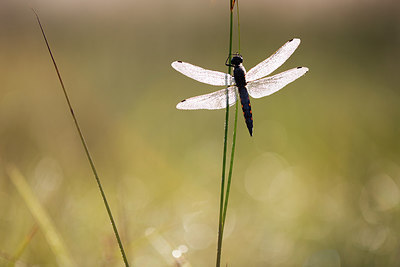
x: 224, y: 195
x: 85, y: 146
x: 238, y: 20
x: 228, y: 185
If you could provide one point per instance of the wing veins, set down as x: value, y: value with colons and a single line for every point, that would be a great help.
x: 273, y: 62
x: 199, y: 74
x: 215, y: 100
x: 272, y: 84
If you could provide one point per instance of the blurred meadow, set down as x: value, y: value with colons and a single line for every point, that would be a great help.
x: 317, y: 185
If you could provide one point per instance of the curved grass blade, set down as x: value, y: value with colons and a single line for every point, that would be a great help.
x: 24, y: 244
x: 84, y: 145
x: 47, y: 226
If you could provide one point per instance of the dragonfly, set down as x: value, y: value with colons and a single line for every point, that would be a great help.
x: 253, y: 83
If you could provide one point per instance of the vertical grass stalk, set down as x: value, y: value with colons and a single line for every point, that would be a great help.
x: 228, y: 186
x: 224, y: 195
x: 84, y: 146
x: 238, y: 25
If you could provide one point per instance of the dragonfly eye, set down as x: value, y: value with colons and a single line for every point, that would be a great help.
x: 237, y: 60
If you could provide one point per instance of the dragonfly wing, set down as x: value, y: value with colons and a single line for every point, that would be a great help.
x: 270, y: 85
x: 216, y: 100
x: 202, y: 75
x: 273, y: 62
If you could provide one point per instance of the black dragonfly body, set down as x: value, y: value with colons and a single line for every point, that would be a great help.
x: 239, y: 73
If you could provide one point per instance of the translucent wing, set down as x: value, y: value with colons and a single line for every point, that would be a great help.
x: 270, y: 85
x: 216, y: 100
x: 273, y: 62
x: 202, y: 75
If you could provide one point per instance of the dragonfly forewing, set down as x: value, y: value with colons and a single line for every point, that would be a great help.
x: 216, y: 100
x: 202, y: 75
x: 270, y: 85
x: 273, y: 62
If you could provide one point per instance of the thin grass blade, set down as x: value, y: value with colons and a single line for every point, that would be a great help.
x: 84, y: 146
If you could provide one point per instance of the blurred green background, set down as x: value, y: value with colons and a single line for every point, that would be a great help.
x: 317, y: 184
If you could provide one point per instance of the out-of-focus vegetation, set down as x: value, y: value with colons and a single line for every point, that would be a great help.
x: 317, y: 185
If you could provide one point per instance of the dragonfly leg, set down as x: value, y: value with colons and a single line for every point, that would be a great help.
x: 228, y: 60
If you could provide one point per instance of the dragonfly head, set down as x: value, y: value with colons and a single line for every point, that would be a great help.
x: 236, y: 60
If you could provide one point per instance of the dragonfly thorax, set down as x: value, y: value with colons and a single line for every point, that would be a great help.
x: 238, y: 70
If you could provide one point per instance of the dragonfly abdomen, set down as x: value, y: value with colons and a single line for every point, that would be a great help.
x: 246, y: 107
